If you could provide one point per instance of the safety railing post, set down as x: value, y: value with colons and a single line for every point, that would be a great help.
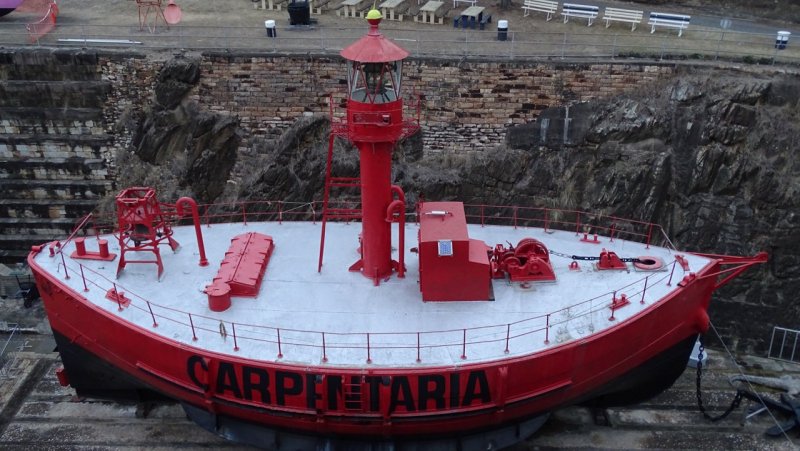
x: 369, y: 356
x: 515, y: 218
x: 644, y: 290
x: 117, y: 296
x: 324, y: 351
x: 83, y: 277
x: 280, y: 351
x: 649, y: 236
x: 464, y: 345
x: 547, y: 330
x: 418, y: 357
x: 546, y: 219
x: 508, y: 334
x: 191, y: 323
x: 64, y: 263
x: 482, y: 224
x: 235, y: 343
x: 149, y: 307
x: 669, y: 282
x: 613, y: 306
x: 244, y: 213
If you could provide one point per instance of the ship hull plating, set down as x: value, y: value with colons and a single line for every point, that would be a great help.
x: 634, y: 359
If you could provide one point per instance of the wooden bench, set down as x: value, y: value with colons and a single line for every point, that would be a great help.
x: 583, y: 11
x: 319, y: 6
x: 623, y: 15
x: 668, y: 20
x: 543, y: 6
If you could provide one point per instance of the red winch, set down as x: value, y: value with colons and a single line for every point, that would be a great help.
x: 529, y: 261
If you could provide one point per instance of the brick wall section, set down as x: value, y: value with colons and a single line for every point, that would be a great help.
x: 465, y: 105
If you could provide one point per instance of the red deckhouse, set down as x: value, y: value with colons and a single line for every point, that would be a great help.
x: 467, y: 344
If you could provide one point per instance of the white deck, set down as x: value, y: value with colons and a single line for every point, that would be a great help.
x: 303, y: 303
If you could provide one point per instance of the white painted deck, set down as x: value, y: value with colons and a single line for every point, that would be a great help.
x: 300, y: 303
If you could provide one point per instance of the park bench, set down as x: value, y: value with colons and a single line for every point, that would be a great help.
x: 543, y: 6
x: 487, y: 18
x: 623, y: 15
x: 668, y: 20
x: 319, y: 6
x: 583, y: 11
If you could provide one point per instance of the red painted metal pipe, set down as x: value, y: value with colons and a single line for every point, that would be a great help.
x: 197, y: 230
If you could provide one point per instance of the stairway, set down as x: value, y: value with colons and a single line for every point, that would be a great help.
x: 54, y: 146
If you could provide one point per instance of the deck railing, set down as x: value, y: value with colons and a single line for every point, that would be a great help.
x: 496, y: 340
x: 584, y: 223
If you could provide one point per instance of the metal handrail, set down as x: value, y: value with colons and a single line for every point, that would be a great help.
x: 497, y: 333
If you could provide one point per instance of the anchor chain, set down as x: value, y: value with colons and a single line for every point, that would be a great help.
x: 736, y: 400
x: 585, y: 258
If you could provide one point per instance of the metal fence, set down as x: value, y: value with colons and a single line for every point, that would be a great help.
x: 14, y: 344
x: 783, y: 345
x: 442, y: 41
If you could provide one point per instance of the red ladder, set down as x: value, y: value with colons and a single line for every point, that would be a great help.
x: 338, y: 128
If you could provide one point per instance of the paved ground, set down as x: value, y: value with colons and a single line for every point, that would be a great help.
x: 239, y: 24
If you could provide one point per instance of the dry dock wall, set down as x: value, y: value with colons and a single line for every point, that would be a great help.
x: 64, y: 113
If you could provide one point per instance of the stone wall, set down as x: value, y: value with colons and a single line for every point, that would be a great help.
x: 66, y: 113
x: 464, y: 104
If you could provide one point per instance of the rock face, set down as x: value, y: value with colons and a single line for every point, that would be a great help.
x: 198, y: 147
x: 709, y: 155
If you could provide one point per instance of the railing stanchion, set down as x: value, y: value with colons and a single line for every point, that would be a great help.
x: 369, y: 357
x: 508, y: 333
x: 64, y: 262
x: 547, y: 331
x: 324, y: 351
x: 117, y: 296
x: 546, y: 219
x: 482, y: 224
x: 649, y: 236
x: 669, y: 282
x: 280, y: 212
x: 578, y: 224
x: 515, y: 218
x: 85, y: 288
x: 613, y: 224
x: 244, y: 213
x: 191, y: 323
x: 235, y: 344
x: 464, y: 345
x: 645, y: 289
x: 418, y: 358
x: 613, y: 306
x: 155, y: 324
x: 280, y: 351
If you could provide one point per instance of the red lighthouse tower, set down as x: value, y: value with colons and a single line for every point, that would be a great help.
x: 374, y: 123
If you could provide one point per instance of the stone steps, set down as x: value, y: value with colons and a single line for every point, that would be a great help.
x: 49, y: 114
x: 53, y: 169
x: 54, y: 190
x: 52, y: 94
x: 26, y: 145
x: 45, y: 64
x: 54, y: 144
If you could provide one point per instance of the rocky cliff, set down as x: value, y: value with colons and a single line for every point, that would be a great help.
x: 709, y: 154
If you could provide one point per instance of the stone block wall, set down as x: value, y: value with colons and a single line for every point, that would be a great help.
x: 65, y: 113
x: 464, y: 105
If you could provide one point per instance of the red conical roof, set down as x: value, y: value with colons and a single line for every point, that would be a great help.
x: 373, y: 47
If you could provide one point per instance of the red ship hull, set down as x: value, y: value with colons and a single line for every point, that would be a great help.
x: 631, y: 361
